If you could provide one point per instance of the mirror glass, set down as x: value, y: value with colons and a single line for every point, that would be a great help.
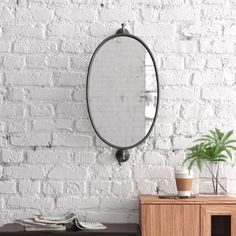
x: 122, y: 91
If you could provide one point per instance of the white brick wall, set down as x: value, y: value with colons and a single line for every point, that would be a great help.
x: 51, y: 161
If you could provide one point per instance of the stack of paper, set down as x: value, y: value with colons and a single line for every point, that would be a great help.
x: 50, y: 223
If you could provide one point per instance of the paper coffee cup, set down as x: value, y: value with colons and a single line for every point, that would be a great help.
x: 184, y: 181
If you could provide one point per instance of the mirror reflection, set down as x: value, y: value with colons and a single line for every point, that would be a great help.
x: 122, y: 91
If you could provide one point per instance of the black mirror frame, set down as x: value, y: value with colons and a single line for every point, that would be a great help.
x: 120, y: 155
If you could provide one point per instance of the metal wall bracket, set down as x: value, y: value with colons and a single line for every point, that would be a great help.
x: 122, y: 156
x: 122, y: 30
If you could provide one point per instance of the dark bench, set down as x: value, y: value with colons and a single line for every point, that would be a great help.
x: 112, y: 230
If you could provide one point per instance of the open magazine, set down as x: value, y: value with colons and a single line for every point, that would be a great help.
x: 51, y: 223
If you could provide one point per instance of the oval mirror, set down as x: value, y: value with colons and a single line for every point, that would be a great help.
x: 122, y: 91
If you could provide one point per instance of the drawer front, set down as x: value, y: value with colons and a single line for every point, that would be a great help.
x: 170, y: 220
x: 208, y: 212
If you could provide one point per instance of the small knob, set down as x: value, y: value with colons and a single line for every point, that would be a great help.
x: 122, y: 30
x: 122, y: 155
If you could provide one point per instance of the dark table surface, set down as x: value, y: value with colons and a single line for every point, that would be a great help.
x: 112, y: 229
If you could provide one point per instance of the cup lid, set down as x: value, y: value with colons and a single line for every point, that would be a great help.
x: 183, y: 171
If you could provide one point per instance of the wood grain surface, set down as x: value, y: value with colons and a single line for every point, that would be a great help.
x: 213, y: 200
x: 208, y: 210
x: 170, y: 220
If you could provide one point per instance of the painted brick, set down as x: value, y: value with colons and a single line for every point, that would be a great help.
x: 173, y: 62
x: 218, y: 93
x: 30, y: 202
x: 175, y: 158
x: 180, y: 93
x: 13, y: 62
x: 52, y: 94
x: 213, y: 13
x: 153, y: 172
x: 12, y: 156
x: 182, y: 142
x: 19, y: 126
x: 47, y: 125
x: 12, y: 110
x: 122, y: 189
x: 75, y: 187
x: 129, y: 204
x: 98, y: 30
x: 67, y: 172
x: 195, y: 62
x: 70, y: 79
x: 34, y: 46
x: 53, y: 187
x: 35, y: 61
x: 74, y: 110
x: 18, y: 94
x: 29, y: 187
x: 217, y: 46
x: 71, y: 140
x: 164, y: 143
x: 229, y: 77
x: 79, y: 63
x: 168, y: 109
x: 41, y: 110
x: 148, y: 30
x: 31, y: 139
x: 6, y: 15
x: 41, y: 14
x: 69, y: 202
x: 154, y: 157
x: 24, y: 172
x: 84, y: 158
x: 57, y: 62
x: 7, y: 187
x: 46, y: 156
x: 116, y: 15
x: 77, y: 14
x: 164, y: 129
x: 214, y: 63
x: 28, y: 78
x: 62, y: 30
x: 208, y: 78
x: 124, y: 173
x: 178, y: 14
x: 100, y: 188
x: 24, y: 31
x: 4, y: 46
x: 187, y: 128
x: 71, y: 46
x: 147, y: 186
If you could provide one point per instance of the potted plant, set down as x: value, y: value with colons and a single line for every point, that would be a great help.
x: 211, y: 149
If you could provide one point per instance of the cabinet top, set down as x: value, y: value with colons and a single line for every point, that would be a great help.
x: 199, y: 200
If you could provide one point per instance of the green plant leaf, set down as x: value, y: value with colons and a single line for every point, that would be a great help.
x: 229, y: 153
x: 213, y: 147
x: 230, y: 147
x: 227, y: 136
x: 230, y: 141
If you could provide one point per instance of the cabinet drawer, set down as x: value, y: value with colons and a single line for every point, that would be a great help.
x: 170, y: 220
x: 224, y: 225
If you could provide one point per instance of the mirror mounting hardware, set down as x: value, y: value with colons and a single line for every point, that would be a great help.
x: 122, y: 30
x: 122, y: 156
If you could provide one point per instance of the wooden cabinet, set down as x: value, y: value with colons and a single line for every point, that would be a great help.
x: 200, y: 216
